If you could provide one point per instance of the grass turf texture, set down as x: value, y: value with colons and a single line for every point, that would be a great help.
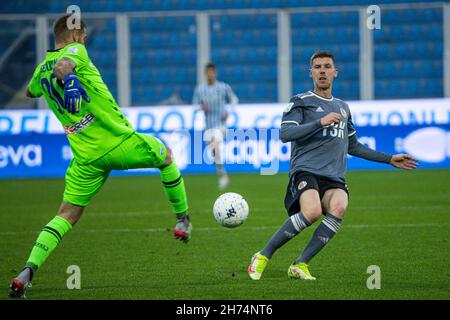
x: 123, y: 244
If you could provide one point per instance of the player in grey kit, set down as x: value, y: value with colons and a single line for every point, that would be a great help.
x: 321, y: 133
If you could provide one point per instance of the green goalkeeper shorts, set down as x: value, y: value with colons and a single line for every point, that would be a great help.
x: 83, y: 181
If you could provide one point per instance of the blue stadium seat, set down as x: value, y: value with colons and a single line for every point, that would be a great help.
x: 138, y: 5
x: 431, y: 87
x: 132, y: 5
x: 186, y: 93
x: 163, y: 49
x: 136, y: 42
x: 256, y: 74
x: 348, y: 71
x: 416, y: 16
x: 300, y: 86
x: 136, y: 24
x: 242, y: 22
x: 300, y: 71
x: 388, y: 89
x: 103, y: 41
x: 139, y: 57
x: 143, y: 75
x: 420, y: 75
x: 108, y: 75
x: 108, y: 6
x: 346, y: 89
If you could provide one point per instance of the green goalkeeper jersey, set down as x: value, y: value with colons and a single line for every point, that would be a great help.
x: 100, y: 125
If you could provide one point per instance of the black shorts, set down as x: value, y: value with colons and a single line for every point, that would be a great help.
x: 302, y: 181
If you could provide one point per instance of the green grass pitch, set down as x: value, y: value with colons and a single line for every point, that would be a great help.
x: 397, y: 220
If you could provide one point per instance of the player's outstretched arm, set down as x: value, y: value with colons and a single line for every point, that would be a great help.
x: 357, y: 149
x: 401, y: 161
x: 404, y: 161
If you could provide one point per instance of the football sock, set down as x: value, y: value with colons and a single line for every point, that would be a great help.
x: 218, y: 161
x: 174, y: 188
x: 324, y: 232
x: 220, y: 170
x: 291, y: 227
x: 47, y: 241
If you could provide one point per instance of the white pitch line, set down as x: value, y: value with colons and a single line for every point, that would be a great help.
x: 274, y: 210
x: 207, y: 229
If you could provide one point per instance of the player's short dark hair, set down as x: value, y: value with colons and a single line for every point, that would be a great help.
x: 321, y: 54
x: 61, y: 29
x: 210, y: 65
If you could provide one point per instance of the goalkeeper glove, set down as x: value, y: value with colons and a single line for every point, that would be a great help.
x: 73, y: 93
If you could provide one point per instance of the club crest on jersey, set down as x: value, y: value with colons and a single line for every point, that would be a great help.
x: 301, y: 185
x: 344, y: 113
x: 288, y: 107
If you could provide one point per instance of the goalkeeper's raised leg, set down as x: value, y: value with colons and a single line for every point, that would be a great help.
x: 101, y: 138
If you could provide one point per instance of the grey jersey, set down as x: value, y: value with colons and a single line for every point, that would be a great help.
x: 215, y: 97
x: 319, y: 150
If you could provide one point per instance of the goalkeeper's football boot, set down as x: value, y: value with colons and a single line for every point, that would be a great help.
x: 300, y: 271
x: 183, y: 228
x: 257, y: 266
x: 19, y: 285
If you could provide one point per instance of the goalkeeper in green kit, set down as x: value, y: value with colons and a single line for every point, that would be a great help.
x: 101, y: 139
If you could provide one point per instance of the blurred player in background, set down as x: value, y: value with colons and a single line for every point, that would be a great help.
x: 212, y: 98
x: 321, y: 133
x: 101, y: 139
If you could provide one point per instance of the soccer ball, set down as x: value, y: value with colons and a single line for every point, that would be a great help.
x: 230, y: 210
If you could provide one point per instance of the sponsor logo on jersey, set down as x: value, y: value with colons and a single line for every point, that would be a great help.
x: 344, y: 113
x: 301, y: 185
x: 319, y: 109
x: 80, y: 125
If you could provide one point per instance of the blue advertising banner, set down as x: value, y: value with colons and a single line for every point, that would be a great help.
x: 252, y: 150
x: 371, y: 113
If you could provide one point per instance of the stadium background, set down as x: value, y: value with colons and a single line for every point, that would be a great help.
x: 151, y: 55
